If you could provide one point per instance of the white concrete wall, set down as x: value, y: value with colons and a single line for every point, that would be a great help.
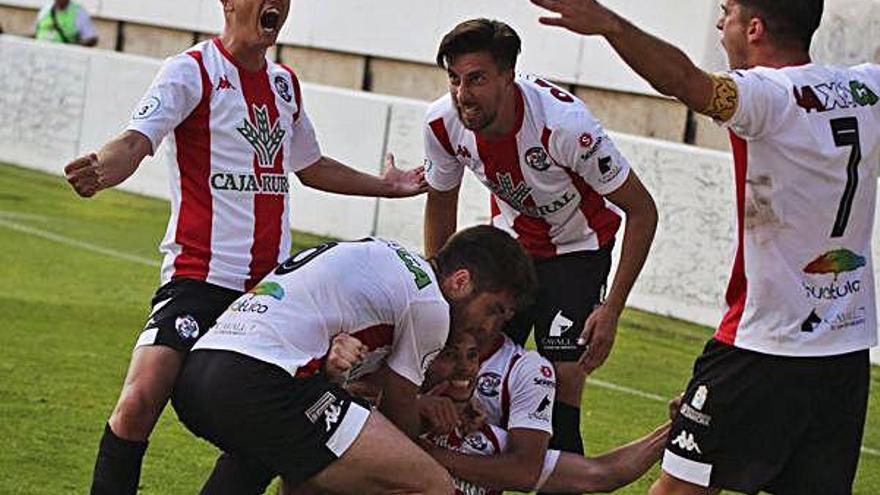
x: 62, y: 101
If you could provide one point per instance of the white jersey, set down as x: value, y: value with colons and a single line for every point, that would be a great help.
x: 548, y: 177
x: 373, y: 289
x: 234, y: 136
x: 517, y: 388
x: 806, y: 144
x: 487, y: 441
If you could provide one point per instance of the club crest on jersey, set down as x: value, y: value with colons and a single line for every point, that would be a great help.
x: 487, y: 384
x: 264, y: 138
x: 282, y: 88
x: 477, y: 441
x: 537, y: 159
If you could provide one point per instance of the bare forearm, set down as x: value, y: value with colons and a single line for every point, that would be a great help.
x: 628, y: 463
x: 665, y: 67
x: 121, y: 156
x: 499, y: 472
x: 440, y: 220
x: 638, y: 235
x: 330, y: 175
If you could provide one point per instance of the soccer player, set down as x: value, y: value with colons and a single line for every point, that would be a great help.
x: 253, y: 385
x: 554, y: 174
x: 453, y: 377
x: 236, y: 125
x: 777, y: 400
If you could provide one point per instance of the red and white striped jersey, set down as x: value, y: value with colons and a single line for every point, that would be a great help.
x: 806, y: 144
x: 489, y: 440
x: 374, y: 289
x: 234, y: 136
x: 548, y: 176
x: 516, y: 388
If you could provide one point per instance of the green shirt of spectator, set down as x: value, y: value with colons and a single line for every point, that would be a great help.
x: 63, y: 21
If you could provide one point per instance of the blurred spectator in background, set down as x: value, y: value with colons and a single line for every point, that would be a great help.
x: 63, y: 21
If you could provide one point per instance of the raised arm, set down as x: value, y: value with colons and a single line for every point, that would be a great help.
x: 330, y: 175
x: 663, y: 65
x: 111, y: 165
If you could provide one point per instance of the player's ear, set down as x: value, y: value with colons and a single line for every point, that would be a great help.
x: 227, y: 6
x: 756, y: 30
x: 459, y: 284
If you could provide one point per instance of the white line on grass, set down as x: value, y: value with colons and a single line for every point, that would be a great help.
x: 144, y: 261
x: 77, y: 243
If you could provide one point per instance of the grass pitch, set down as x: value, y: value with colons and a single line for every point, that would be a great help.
x: 76, y: 278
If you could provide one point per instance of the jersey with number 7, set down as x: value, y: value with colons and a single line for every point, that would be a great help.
x: 806, y: 144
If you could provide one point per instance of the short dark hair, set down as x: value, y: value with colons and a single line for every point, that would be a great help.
x: 788, y: 21
x: 477, y: 35
x: 495, y: 260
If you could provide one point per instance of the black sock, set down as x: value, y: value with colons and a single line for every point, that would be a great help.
x: 566, y: 430
x: 233, y: 476
x: 118, y: 467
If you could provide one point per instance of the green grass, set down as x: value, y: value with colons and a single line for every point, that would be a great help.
x: 69, y: 316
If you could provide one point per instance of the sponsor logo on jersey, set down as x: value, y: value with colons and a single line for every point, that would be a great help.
x: 516, y: 196
x: 463, y: 152
x: 187, y: 327
x: 592, y: 149
x: 546, y: 371
x: 271, y: 289
x: 855, y: 317
x: 542, y: 412
x: 264, y: 137
x: 537, y: 159
x: 834, y: 263
x: 700, y: 397
x: 586, y: 140
x: 247, y: 304
x: 487, y: 384
x: 282, y: 87
x: 410, y: 260
x: 544, y: 382
x: 609, y: 169
x: 477, y: 441
x: 147, y: 108
x: 250, y: 183
x: 224, y: 84
x: 694, y: 415
x: 686, y: 441
x: 833, y: 95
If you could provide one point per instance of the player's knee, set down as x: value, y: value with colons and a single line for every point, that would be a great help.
x: 136, y: 413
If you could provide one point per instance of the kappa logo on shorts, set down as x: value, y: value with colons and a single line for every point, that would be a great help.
x: 331, y: 415
x: 686, y: 441
x: 320, y: 406
x: 187, y: 327
x: 487, y: 384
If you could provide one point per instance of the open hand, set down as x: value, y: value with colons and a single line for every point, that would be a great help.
x: 580, y: 16
x: 403, y: 183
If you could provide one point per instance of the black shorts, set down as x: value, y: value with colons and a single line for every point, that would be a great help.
x: 569, y: 287
x: 784, y: 425
x: 260, y: 414
x: 183, y: 310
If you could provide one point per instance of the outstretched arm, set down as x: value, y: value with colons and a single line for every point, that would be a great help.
x: 330, y: 175
x: 663, y: 65
x: 609, y: 471
x: 111, y: 165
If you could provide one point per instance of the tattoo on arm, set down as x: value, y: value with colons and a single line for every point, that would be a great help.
x: 725, y: 98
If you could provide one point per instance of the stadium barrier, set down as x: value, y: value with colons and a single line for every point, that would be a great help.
x: 377, y: 28
x: 60, y: 101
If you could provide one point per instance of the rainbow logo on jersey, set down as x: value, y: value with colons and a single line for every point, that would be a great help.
x: 271, y: 289
x: 836, y: 262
